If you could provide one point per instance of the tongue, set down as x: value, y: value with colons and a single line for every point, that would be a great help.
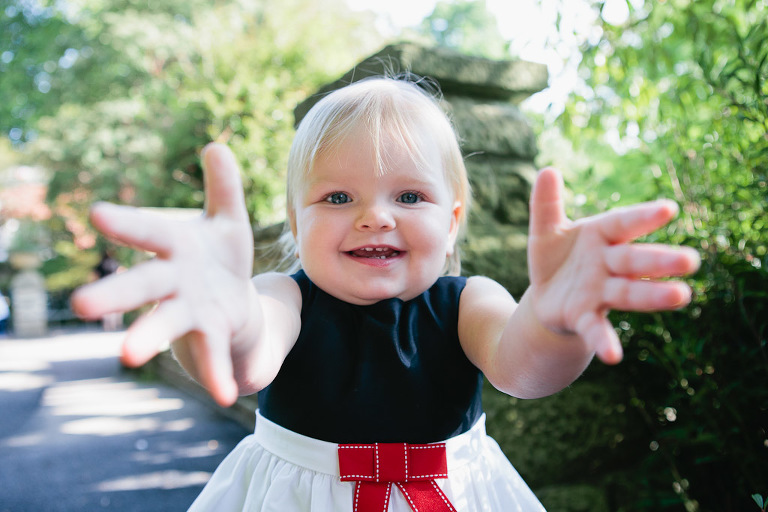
x: 360, y: 253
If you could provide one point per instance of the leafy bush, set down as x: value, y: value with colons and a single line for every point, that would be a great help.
x: 676, y: 107
x: 697, y: 383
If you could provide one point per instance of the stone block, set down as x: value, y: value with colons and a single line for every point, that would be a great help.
x: 494, y: 128
x: 502, y: 187
x: 497, y: 251
x: 458, y: 74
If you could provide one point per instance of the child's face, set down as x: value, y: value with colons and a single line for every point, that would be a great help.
x: 364, y: 236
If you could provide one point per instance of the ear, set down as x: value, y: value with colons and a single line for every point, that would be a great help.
x: 453, y: 233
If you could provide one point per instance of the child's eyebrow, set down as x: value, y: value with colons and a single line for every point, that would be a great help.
x: 426, y: 177
x: 416, y: 182
x: 314, y: 181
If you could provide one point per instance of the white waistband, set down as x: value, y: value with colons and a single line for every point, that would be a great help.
x: 322, y: 456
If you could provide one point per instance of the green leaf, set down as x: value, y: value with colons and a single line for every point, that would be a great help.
x: 758, y: 499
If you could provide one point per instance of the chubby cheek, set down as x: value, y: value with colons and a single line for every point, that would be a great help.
x: 314, y: 233
x: 303, y: 236
x: 433, y: 238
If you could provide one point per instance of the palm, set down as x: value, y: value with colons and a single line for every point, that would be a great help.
x: 198, y: 279
x: 580, y: 270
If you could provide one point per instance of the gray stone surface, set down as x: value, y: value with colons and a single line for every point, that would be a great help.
x: 491, y: 127
x: 458, y: 74
x: 502, y: 186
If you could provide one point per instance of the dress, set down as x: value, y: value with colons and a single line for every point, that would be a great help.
x: 392, y: 372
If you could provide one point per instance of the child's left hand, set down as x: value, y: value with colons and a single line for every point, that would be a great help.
x: 579, y: 270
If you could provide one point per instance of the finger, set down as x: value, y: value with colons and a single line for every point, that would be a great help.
x: 223, y: 185
x: 638, y: 295
x: 152, y: 332
x: 622, y: 225
x: 650, y: 260
x: 547, y: 208
x: 130, y: 226
x: 143, y: 284
x: 212, y: 356
x: 210, y: 351
x: 597, y: 331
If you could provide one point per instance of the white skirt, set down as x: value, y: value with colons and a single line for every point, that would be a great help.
x: 278, y: 470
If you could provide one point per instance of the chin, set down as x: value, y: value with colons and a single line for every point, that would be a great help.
x: 371, y: 297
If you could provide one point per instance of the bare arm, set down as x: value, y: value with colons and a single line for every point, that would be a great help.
x: 579, y: 271
x: 517, y: 354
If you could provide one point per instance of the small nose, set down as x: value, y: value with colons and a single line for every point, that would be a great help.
x: 376, y: 217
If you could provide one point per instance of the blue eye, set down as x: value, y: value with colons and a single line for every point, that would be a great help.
x: 409, y: 198
x: 338, y: 198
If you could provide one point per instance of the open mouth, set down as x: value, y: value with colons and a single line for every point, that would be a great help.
x: 379, y: 253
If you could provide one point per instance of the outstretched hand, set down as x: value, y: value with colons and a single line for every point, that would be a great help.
x: 199, y: 278
x: 580, y: 270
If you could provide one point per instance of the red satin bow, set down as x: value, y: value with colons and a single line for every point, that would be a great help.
x: 412, y: 467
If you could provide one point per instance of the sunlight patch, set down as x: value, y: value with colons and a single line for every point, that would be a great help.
x: 24, y: 441
x: 101, y: 397
x: 159, y: 480
x: 23, y: 381
x: 110, y: 426
x: 22, y: 365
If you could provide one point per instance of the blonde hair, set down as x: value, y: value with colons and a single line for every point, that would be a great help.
x: 386, y: 109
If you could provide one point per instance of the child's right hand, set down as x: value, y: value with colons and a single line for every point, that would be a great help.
x: 200, y: 278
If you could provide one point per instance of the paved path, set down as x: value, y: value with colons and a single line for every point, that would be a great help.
x: 79, y: 433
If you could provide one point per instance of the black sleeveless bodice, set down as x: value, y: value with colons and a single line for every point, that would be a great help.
x: 393, y: 371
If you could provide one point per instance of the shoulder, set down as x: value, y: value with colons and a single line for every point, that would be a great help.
x: 280, y: 304
x: 481, y: 287
x: 276, y: 280
x: 482, y: 297
x: 484, y: 311
x: 280, y: 287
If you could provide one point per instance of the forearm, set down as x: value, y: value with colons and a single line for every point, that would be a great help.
x: 531, y: 361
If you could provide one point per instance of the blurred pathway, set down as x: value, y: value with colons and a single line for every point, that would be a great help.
x: 79, y: 433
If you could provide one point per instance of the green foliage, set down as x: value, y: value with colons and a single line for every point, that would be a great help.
x: 69, y: 265
x: 466, y: 26
x: 135, y: 89
x: 34, y: 38
x: 675, y: 107
x: 696, y: 381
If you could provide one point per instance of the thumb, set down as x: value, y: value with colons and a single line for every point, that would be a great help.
x: 223, y: 186
x: 547, y: 209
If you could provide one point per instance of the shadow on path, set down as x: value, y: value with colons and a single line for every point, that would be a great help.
x: 80, y: 433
